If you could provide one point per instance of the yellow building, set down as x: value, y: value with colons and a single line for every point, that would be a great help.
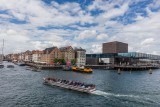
x: 68, y: 53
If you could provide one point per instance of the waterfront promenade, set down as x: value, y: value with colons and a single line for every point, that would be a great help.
x: 110, y: 67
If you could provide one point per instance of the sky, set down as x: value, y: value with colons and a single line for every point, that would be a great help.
x: 39, y: 24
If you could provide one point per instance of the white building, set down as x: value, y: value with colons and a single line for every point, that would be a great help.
x: 36, y: 55
x: 80, y: 57
x: 27, y: 56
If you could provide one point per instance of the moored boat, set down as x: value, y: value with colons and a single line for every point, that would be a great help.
x: 82, y: 69
x: 67, y: 68
x: 21, y: 63
x: 1, y: 66
x: 10, y: 66
x: 68, y: 84
x: 35, y: 70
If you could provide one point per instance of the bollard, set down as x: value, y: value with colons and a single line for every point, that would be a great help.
x: 150, y: 71
x: 119, y: 71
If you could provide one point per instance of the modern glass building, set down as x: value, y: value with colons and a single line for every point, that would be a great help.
x: 134, y: 55
x: 139, y: 55
x: 117, y: 53
x: 116, y: 58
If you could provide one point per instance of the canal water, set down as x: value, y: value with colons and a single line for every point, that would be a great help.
x: 24, y: 88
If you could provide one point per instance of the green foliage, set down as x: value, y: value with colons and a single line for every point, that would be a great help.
x: 73, y: 61
x: 61, y: 61
x: 56, y: 60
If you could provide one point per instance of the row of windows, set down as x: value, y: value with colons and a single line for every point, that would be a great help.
x: 138, y: 55
x: 129, y: 54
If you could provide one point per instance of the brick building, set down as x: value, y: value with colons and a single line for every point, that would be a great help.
x: 114, y: 47
x: 49, y: 54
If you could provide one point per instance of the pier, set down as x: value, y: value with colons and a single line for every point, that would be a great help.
x: 44, y: 67
x: 105, y: 67
x: 123, y: 68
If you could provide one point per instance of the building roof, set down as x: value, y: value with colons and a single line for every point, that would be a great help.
x: 49, y: 50
x: 80, y: 49
x: 115, y: 42
x: 64, y: 48
x: 37, y: 52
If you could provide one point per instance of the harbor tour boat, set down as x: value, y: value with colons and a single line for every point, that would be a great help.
x: 68, y: 84
x: 82, y: 69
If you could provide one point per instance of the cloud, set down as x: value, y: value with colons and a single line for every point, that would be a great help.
x: 69, y: 23
x: 5, y: 16
x: 102, y: 37
x: 147, y: 41
x: 155, y: 4
x: 86, y: 34
x: 14, y: 40
x: 116, y: 11
x: 96, y: 48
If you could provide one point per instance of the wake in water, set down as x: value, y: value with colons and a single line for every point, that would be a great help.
x: 131, y: 98
x: 105, y: 94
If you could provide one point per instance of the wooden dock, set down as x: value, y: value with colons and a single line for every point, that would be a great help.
x: 44, y: 67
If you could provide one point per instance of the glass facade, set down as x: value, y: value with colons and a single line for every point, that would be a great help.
x: 139, y: 55
x: 103, y: 55
x: 134, y: 55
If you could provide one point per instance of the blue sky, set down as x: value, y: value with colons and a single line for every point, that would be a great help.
x: 38, y: 24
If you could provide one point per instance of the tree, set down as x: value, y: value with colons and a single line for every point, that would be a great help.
x: 56, y: 60
x: 73, y: 61
x: 63, y: 61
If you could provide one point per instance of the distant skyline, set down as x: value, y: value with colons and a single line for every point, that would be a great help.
x: 39, y: 24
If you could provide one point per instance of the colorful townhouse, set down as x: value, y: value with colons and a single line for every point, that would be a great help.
x: 49, y: 54
x: 28, y: 56
x: 68, y: 53
x: 36, y: 56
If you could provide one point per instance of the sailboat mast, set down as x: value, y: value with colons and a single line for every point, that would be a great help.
x: 2, y: 46
x: 2, y: 52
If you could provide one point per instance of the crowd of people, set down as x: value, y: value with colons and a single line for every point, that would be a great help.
x: 73, y: 83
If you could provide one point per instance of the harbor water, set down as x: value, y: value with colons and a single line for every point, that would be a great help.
x: 21, y: 87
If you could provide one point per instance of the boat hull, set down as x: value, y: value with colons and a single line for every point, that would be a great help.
x: 1, y: 66
x: 21, y: 64
x: 67, y: 68
x: 10, y: 66
x: 82, y: 70
x: 71, y: 87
